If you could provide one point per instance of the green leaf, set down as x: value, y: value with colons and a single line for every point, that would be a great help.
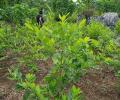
x: 30, y: 77
x: 26, y: 95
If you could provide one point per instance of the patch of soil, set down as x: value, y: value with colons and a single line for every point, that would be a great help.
x: 99, y: 84
x: 7, y: 87
x: 44, y: 67
x: 7, y: 60
x: 7, y: 91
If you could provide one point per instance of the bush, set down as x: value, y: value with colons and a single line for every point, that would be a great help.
x: 98, y: 31
x: 18, y: 13
x: 117, y: 28
x: 62, y: 7
x: 108, y: 6
x: 102, y: 39
x: 68, y: 45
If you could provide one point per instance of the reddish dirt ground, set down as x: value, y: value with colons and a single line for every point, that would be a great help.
x: 99, y: 84
x: 7, y: 89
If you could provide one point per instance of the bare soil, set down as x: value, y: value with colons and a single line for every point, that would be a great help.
x: 7, y: 87
x: 99, y: 84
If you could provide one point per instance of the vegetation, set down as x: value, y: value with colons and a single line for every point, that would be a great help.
x: 73, y: 48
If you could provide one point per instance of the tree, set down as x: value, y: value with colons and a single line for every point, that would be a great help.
x: 62, y: 6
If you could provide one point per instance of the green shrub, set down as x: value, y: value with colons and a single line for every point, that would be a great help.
x: 108, y: 6
x: 117, y: 28
x: 72, y: 47
x: 101, y: 40
x: 98, y: 31
x: 18, y: 13
x: 62, y: 7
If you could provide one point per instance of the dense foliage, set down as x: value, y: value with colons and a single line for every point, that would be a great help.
x: 72, y: 47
